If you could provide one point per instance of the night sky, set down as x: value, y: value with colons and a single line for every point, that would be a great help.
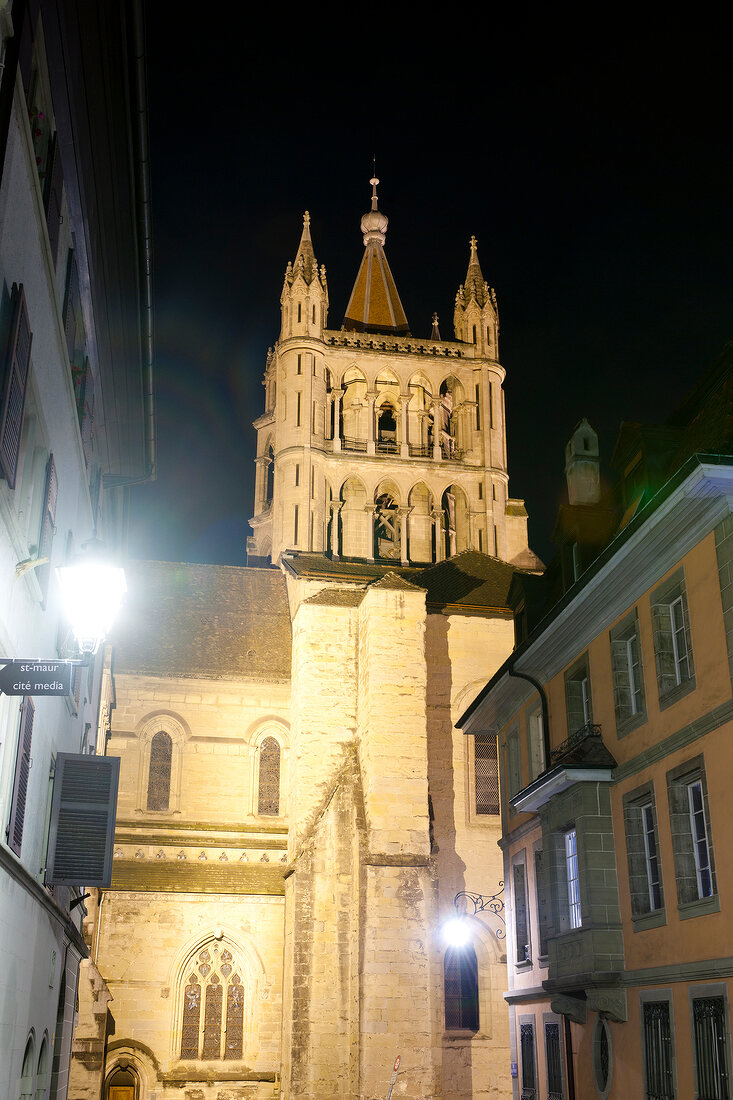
x: 595, y: 172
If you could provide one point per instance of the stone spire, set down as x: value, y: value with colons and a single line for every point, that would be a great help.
x: 374, y: 305
x: 476, y: 316
x: 305, y: 263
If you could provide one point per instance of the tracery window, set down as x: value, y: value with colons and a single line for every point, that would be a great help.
x: 214, y: 983
x: 159, y: 774
x: 268, y: 789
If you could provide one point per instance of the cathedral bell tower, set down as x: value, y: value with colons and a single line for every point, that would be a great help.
x: 376, y: 445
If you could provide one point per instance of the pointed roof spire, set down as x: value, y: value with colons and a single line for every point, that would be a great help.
x: 435, y: 334
x: 475, y: 284
x: 374, y: 305
x: 305, y: 258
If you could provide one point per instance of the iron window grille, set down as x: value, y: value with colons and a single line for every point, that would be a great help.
x: 711, y: 1065
x: 659, y: 1084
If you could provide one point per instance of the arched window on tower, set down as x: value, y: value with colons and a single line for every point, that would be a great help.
x: 159, y: 774
x: 268, y: 783
x: 387, y: 429
x: 269, y: 475
x: 460, y: 975
x: 213, y: 1006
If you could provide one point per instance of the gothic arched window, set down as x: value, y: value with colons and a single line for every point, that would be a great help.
x: 213, y: 1007
x: 460, y: 972
x: 268, y: 785
x: 159, y: 774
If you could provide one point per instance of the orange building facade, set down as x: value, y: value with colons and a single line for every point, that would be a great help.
x: 615, y: 756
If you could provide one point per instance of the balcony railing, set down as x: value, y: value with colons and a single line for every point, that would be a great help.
x: 388, y: 446
x: 418, y: 450
x: 353, y: 444
x: 575, y: 739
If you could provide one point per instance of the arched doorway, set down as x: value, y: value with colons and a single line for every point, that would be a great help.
x: 122, y: 1085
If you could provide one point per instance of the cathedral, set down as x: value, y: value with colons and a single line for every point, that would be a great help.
x: 297, y: 812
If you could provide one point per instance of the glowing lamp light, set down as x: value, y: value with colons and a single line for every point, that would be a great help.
x: 91, y: 593
x: 457, y: 932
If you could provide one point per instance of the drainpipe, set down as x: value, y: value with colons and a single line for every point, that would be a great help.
x: 511, y: 671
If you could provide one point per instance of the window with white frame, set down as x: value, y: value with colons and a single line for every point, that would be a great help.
x: 692, y: 840
x: 573, y: 878
x: 672, y: 639
x: 628, y: 676
x: 521, y: 915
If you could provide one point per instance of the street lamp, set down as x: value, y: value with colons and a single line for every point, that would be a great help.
x: 457, y: 930
x: 91, y: 593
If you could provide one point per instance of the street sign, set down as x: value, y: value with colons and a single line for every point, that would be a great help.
x: 36, y: 677
x: 395, y: 1074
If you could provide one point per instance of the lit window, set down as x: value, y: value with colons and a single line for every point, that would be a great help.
x: 692, y: 840
x: 268, y: 785
x: 159, y: 774
x: 486, y: 767
x: 573, y: 880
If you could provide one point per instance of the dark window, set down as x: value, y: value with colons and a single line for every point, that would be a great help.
x: 521, y: 922
x: 295, y: 525
x: 486, y: 767
x: 553, y: 1056
x: 659, y: 1083
x: 478, y: 408
x: 14, y: 389
x: 14, y: 831
x: 159, y: 774
x: 297, y: 473
x: 460, y: 973
x: 543, y: 915
x: 300, y: 311
x: 297, y: 414
x: 711, y: 1060
x: 268, y: 791
x: 529, y: 1075
x: 83, y: 807
x: 300, y: 358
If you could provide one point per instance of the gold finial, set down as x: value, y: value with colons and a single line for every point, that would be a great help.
x: 306, y: 219
x: 374, y: 181
x: 474, y: 244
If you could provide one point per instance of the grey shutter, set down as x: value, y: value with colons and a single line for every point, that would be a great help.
x: 70, y: 307
x: 663, y: 649
x: 22, y: 772
x: 16, y: 378
x: 87, y: 413
x: 636, y: 856
x: 80, y: 842
x: 621, y: 682
x: 574, y: 697
x: 52, y: 198
x: 48, y: 525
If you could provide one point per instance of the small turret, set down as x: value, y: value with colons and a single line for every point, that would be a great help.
x: 304, y: 297
x: 582, y: 465
x: 476, y: 318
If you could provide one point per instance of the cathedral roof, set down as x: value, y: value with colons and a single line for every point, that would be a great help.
x: 469, y: 583
x: 374, y: 305
x: 208, y: 621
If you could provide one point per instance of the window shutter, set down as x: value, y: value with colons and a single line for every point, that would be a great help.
x: 70, y: 306
x: 574, y: 696
x: 636, y: 857
x: 16, y: 378
x: 621, y: 684
x: 83, y: 811
x: 52, y: 198
x: 663, y: 648
x: 87, y: 413
x: 22, y: 771
x: 48, y: 525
